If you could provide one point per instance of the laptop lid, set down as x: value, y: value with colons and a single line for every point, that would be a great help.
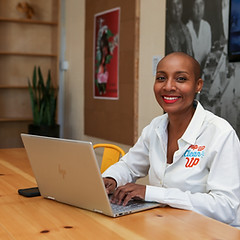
x: 67, y: 171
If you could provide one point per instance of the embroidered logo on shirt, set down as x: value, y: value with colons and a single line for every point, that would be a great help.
x: 193, y: 155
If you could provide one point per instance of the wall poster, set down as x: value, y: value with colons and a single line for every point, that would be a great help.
x: 209, y: 45
x: 112, y: 113
x: 106, y: 51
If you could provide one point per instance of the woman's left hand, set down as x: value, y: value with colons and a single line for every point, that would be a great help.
x: 124, y: 194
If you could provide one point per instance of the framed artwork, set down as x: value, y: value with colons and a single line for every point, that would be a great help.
x: 111, y: 102
x: 106, y: 51
x: 221, y: 89
x: 234, y: 31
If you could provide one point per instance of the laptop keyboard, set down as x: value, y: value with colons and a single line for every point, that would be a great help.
x: 132, y: 205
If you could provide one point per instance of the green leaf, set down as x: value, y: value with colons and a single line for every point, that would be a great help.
x: 43, y: 98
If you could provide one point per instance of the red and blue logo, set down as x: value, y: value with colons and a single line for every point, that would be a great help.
x: 193, y: 155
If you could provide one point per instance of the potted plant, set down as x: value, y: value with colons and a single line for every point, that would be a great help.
x: 44, y: 102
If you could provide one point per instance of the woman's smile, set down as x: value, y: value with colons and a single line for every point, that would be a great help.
x: 170, y: 99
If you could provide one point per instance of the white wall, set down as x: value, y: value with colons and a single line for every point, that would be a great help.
x: 74, y: 76
x: 152, y: 29
x: 152, y: 40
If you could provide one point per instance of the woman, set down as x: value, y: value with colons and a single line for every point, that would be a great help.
x: 177, y: 37
x: 102, y: 75
x: 200, y: 31
x: 190, y: 155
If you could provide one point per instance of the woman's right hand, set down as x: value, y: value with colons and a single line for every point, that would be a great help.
x: 110, y: 184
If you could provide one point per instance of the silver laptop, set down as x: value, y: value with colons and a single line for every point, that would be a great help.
x: 67, y: 171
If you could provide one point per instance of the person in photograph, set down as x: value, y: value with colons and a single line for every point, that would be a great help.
x: 102, y: 75
x: 200, y: 32
x: 225, y: 16
x: 178, y: 38
x: 190, y: 155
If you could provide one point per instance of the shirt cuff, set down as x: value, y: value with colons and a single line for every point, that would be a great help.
x: 154, y: 194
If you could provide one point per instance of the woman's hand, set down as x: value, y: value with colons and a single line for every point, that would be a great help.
x: 125, y: 193
x: 110, y: 185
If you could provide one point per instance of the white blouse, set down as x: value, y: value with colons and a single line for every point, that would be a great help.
x: 205, y: 173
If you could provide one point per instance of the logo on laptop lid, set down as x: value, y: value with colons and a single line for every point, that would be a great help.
x: 61, y: 171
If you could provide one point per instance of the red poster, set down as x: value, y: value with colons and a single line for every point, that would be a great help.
x: 106, y: 51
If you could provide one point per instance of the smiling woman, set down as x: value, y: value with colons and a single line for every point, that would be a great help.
x: 184, y: 151
x: 177, y: 82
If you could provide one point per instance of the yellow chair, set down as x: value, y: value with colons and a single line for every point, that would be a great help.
x: 111, y: 154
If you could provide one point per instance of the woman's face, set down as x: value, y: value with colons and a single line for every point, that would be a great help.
x: 198, y: 10
x: 177, y: 9
x: 105, y: 51
x: 224, y: 3
x: 176, y: 84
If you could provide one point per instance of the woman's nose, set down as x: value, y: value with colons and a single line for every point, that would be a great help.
x: 170, y: 85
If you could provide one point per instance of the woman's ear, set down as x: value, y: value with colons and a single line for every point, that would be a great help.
x: 199, y: 85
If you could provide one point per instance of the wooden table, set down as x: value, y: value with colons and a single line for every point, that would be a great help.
x: 39, y: 218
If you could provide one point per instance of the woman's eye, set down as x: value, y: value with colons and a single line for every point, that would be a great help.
x: 181, y: 79
x: 160, y: 78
